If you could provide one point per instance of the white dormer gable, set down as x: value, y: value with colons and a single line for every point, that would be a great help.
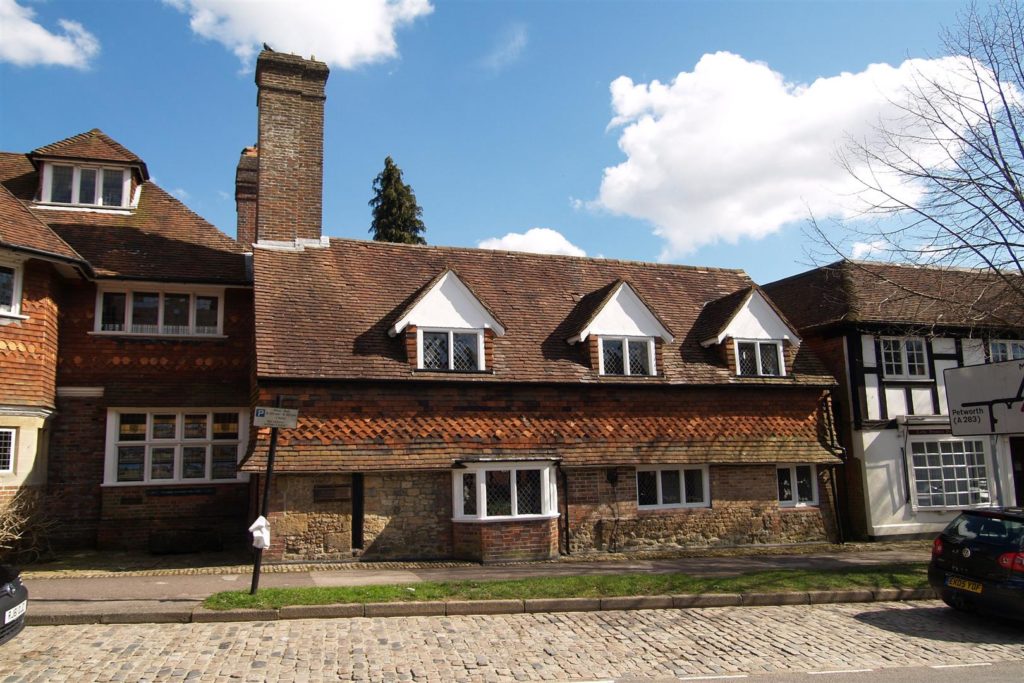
x: 624, y: 314
x: 449, y: 304
x: 755, y: 318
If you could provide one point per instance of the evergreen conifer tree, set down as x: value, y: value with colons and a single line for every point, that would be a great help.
x: 396, y: 215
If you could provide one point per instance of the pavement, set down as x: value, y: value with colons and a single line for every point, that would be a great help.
x: 175, y: 595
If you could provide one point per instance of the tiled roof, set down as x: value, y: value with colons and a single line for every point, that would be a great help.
x: 161, y: 239
x: 93, y: 145
x: 22, y: 230
x: 324, y: 313
x: 777, y: 426
x: 852, y: 292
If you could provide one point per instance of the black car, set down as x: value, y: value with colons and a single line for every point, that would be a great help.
x: 13, y: 603
x: 978, y: 562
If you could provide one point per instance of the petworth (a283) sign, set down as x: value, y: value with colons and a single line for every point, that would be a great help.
x: 986, y: 399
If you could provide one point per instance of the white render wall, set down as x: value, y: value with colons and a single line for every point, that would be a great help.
x: 887, y: 483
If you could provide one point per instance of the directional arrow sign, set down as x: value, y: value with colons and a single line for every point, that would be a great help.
x: 986, y: 399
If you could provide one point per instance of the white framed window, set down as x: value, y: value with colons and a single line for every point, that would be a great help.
x: 6, y: 449
x: 949, y: 473
x: 93, y: 186
x: 798, y: 485
x: 12, y: 275
x: 627, y: 356
x: 160, y: 310
x: 672, y: 487
x: 759, y: 358
x: 450, y: 349
x: 904, y: 358
x: 1006, y: 349
x: 502, y: 491
x: 174, y: 445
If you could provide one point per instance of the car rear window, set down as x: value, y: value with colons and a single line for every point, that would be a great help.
x: 971, y: 527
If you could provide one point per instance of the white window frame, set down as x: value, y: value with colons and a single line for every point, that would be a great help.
x: 14, y: 310
x: 682, y: 470
x: 548, y: 487
x: 178, y: 442
x: 759, y: 343
x: 1013, y: 349
x: 101, y: 171
x: 451, y: 332
x: 795, y: 501
x: 626, y: 341
x: 162, y: 290
x: 12, y: 456
x: 913, y: 468
x: 904, y: 373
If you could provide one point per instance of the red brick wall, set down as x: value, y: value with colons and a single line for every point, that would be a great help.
x: 511, y: 541
x: 153, y: 371
x: 246, y: 184
x: 28, y: 348
x: 291, y: 124
x: 135, y: 517
x: 140, y: 372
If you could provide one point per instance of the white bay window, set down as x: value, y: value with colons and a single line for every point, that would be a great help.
x: 949, y: 473
x: 502, y: 491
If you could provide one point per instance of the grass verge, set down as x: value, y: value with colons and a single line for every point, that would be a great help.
x: 914, y: 575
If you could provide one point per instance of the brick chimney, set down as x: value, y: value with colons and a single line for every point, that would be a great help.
x: 289, y: 203
x: 246, y: 185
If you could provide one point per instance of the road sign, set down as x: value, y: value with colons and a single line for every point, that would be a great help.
x: 986, y: 399
x: 282, y: 418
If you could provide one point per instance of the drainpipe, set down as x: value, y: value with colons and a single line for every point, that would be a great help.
x: 838, y: 449
x: 565, y: 517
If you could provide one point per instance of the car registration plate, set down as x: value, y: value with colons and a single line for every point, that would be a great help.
x: 963, y: 584
x: 15, y: 612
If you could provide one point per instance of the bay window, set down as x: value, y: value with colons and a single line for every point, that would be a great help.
x: 6, y: 450
x: 498, y: 491
x: 11, y: 274
x: 173, y: 446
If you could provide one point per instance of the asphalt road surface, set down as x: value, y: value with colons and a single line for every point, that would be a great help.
x: 922, y: 641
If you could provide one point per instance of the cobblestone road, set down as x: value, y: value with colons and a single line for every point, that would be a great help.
x: 552, y: 647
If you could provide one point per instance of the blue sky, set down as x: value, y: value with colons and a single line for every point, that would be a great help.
x: 502, y: 115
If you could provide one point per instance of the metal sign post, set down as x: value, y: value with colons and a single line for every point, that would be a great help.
x: 275, y: 418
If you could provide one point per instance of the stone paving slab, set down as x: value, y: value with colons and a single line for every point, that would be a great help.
x: 641, y: 644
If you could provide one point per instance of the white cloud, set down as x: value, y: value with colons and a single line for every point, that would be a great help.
x: 507, y: 49
x: 731, y: 150
x: 535, y: 241
x: 342, y: 34
x: 181, y: 193
x: 865, y: 250
x: 26, y: 43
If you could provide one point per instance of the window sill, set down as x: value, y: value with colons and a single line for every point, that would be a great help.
x: 505, y: 518
x: 681, y: 506
x: 173, y: 482
x: 90, y: 208
x: 4, y: 315
x: 139, y: 335
x: 799, y: 506
x: 453, y: 372
x: 907, y: 380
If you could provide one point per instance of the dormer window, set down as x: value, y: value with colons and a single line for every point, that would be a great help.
x: 627, y: 356
x: 452, y: 350
x: 759, y: 359
x: 86, y: 185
